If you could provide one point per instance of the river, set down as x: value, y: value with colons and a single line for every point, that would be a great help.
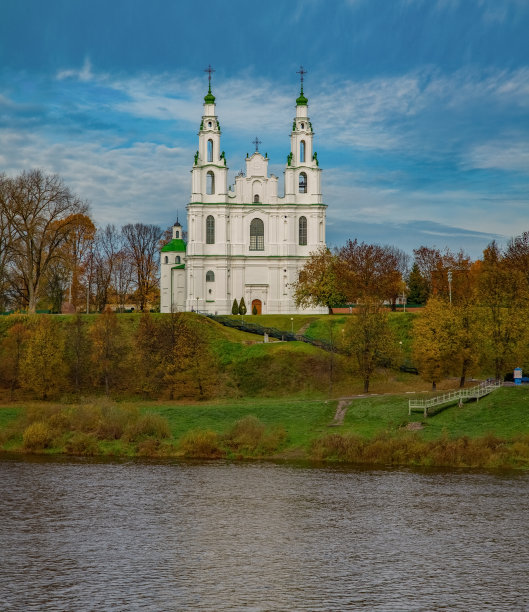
x: 138, y: 535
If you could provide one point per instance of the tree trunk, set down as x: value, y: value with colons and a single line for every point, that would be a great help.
x: 434, y: 385
x: 366, y: 385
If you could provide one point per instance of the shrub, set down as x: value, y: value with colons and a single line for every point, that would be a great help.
x: 82, y: 444
x: 200, y: 444
x: 250, y: 435
x: 37, y: 436
x: 113, y: 421
x: 146, y: 426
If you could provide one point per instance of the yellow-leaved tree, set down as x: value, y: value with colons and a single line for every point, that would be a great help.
x: 43, y: 366
x: 434, y: 340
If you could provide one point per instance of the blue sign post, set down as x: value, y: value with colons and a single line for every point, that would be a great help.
x: 517, y: 376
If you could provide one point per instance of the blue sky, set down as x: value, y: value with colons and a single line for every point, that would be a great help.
x: 420, y: 107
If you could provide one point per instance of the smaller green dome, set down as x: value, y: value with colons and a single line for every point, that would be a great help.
x: 301, y: 101
x: 209, y: 98
x: 175, y: 245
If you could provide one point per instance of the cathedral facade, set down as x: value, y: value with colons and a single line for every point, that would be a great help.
x: 246, y: 240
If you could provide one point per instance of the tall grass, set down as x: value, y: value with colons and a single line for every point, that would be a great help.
x: 407, y: 449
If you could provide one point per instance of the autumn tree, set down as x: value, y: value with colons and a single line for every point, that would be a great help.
x: 369, y: 339
x: 319, y: 281
x: 77, y: 351
x: 434, y: 347
x: 108, y: 349
x: 188, y: 366
x: 142, y: 244
x: 40, y: 211
x: 402, y: 261
x: 13, y: 350
x: 43, y: 366
x: 150, y: 354
x: 517, y: 254
x: 368, y: 272
x: 503, y: 300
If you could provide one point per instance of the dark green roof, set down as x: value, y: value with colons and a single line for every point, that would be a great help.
x: 180, y: 267
x: 301, y: 101
x: 209, y: 98
x: 177, y: 244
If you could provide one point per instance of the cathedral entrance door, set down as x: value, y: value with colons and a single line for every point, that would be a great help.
x: 257, y: 304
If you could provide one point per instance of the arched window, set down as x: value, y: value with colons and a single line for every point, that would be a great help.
x: 302, y: 182
x: 166, y: 259
x: 177, y: 234
x: 256, y: 198
x: 210, y: 183
x: 256, y: 235
x: 303, y: 230
x: 177, y: 259
x: 210, y: 150
x: 210, y: 276
x: 210, y: 230
x: 302, y: 152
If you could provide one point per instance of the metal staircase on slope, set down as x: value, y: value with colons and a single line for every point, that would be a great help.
x: 448, y: 398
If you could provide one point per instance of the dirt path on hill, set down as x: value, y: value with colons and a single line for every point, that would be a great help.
x: 341, y: 411
x: 301, y: 331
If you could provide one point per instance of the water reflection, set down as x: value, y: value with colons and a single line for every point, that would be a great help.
x: 219, y: 536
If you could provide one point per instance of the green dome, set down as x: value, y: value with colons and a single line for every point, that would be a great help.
x: 301, y: 101
x: 209, y: 98
x: 175, y: 245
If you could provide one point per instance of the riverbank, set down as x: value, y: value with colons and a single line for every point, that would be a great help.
x: 375, y: 430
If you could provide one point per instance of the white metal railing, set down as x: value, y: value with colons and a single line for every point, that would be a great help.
x: 447, y: 398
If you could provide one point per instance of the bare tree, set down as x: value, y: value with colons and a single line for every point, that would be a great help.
x: 122, y: 277
x: 6, y: 238
x: 142, y: 243
x: 108, y: 243
x: 40, y: 211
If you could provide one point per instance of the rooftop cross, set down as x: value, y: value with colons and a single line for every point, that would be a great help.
x: 209, y: 70
x: 301, y: 72
x: 256, y: 142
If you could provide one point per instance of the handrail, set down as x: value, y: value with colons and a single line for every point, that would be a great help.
x: 480, y: 390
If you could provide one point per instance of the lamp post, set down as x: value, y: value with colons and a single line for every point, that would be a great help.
x: 292, y: 324
x: 197, y: 305
x: 450, y: 285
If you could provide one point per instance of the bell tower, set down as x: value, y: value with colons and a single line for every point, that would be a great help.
x: 302, y: 172
x: 209, y: 173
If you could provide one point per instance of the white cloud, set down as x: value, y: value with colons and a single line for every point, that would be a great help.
x: 507, y: 154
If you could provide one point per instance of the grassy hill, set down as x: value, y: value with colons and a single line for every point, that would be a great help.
x: 493, y: 432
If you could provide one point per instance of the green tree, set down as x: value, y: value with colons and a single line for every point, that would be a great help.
x: 235, y: 308
x: 369, y: 339
x: 417, y: 286
x: 44, y: 367
x: 242, y: 307
x: 318, y: 283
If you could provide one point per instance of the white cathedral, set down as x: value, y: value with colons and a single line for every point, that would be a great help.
x: 245, y: 241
